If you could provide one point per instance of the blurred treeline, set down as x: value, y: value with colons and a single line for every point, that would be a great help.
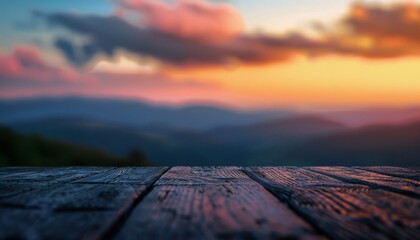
x: 33, y: 150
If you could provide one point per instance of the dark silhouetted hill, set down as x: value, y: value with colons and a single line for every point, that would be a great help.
x: 374, y: 116
x: 33, y: 150
x: 395, y: 145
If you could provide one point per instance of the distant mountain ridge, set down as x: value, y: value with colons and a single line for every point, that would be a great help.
x: 372, y: 116
x: 383, y: 144
x: 130, y: 113
x: 305, y: 126
x: 136, y: 113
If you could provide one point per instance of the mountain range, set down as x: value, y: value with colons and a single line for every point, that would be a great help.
x: 208, y: 135
x: 130, y: 112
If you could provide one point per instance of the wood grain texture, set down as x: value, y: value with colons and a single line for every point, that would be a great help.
x: 75, y: 197
x: 342, y: 210
x: 209, y: 203
x: 25, y: 223
x: 75, y: 210
x: 51, y: 175
x: 400, y: 172
x: 23, y: 180
x: 204, y: 176
x: 358, y: 176
x: 230, y: 206
x: 135, y: 175
x: 4, y: 171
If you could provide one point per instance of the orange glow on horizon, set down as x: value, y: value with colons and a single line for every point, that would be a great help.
x: 327, y: 81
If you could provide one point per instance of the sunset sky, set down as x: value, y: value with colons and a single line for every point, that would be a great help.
x: 245, y: 54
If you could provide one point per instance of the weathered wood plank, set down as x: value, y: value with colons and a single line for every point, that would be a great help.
x: 138, y: 175
x: 231, y: 206
x: 218, y: 202
x: 293, y: 177
x: 29, y: 179
x: 75, y: 196
x: 13, y: 173
x: 73, y: 210
x: 13, y: 189
x: 52, y: 175
x: 204, y: 176
x: 343, y: 210
x: 30, y: 224
x: 14, y: 170
x: 400, y: 172
x: 353, y: 175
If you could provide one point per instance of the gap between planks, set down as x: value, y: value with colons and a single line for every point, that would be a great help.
x: 308, y: 193
x: 57, y: 206
x: 115, y: 228
x: 296, y: 211
x: 118, y: 223
x: 222, y: 184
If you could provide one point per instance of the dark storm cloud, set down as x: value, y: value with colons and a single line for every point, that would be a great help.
x: 108, y: 34
x: 368, y: 31
x: 77, y: 55
x: 399, y: 21
x: 379, y: 31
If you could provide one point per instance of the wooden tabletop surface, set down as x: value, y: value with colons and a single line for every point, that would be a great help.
x: 210, y: 203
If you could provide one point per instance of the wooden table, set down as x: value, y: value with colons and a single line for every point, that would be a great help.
x: 210, y: 203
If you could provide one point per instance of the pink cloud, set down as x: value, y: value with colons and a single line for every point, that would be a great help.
x: 9, y: 65
x: 24, y: 73
x: 29, y: 57
x: 25, y: 63
x: 191, y: 19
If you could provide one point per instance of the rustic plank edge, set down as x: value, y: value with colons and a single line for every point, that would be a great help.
x: 46, y: 185
x: 123, y: 216
x: 386, y: 173
x: 312, y: 222
x: 282, y: 190
x: 221, y: 210
x: 367, y: 183
x: 325, y: 207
